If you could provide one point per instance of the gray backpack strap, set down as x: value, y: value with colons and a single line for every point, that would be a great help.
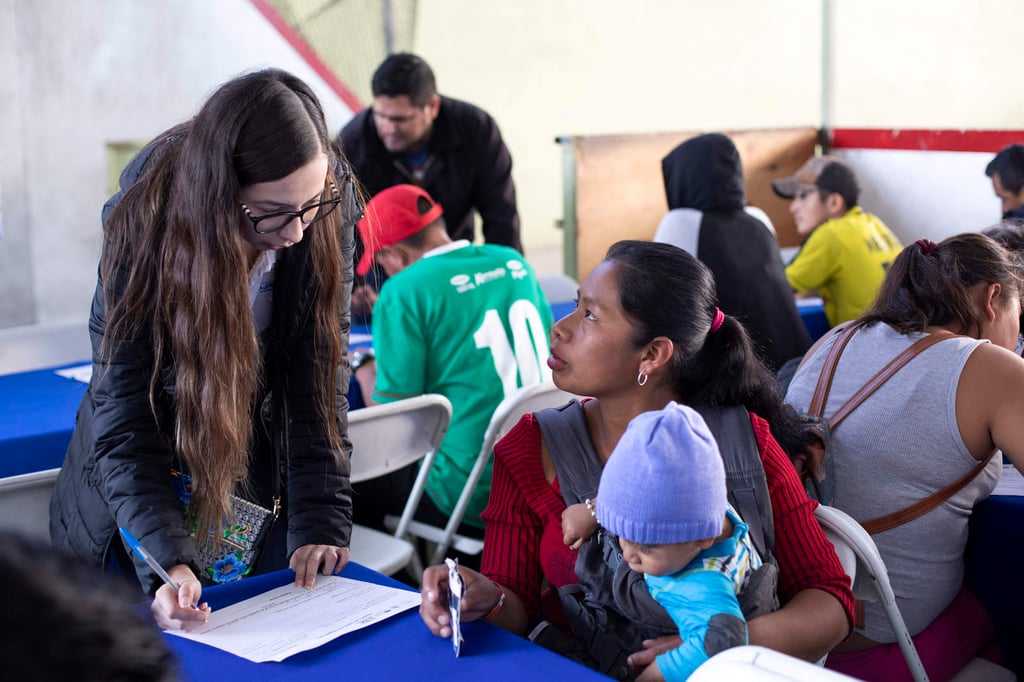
x: 744, y: 473
x: 565, y: 431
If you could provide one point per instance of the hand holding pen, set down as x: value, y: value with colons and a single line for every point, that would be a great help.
x: 175, y: 604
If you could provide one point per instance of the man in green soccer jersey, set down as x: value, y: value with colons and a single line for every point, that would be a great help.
x: 468, y: 322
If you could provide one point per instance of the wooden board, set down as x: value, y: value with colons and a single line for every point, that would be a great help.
x: 620, y: 193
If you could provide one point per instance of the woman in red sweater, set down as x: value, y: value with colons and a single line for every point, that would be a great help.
x: 646, y: 331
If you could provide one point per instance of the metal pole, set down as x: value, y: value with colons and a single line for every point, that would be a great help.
x: 826, y: 74
x: 389, y: 27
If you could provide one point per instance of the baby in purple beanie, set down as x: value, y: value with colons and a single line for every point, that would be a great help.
x: 663, y: 494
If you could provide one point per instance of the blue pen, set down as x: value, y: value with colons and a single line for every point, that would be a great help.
x: 137, y: 547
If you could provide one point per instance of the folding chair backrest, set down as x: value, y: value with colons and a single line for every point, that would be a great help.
x: 25, y: 502
x: 558, y: 287
x: 390, y: 436
x: 386, y: 438
x: 870, y: 578
x: 505, y: 416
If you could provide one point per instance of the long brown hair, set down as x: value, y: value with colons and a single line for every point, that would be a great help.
x: 174, y: 270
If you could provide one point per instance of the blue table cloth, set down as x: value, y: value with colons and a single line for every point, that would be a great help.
x: 400, y: 648
x: 37, y: 415
x: 994, y: 553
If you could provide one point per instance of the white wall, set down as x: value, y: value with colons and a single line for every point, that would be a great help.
x: 75, y: 75
x: 928, y: 64
x: 546, y: 68
x: 925, y: 195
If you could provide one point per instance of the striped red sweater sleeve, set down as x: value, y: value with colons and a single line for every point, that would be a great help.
x: 806, y: 557
x: 523, y: 537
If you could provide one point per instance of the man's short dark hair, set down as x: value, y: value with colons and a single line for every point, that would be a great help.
x: 837, y: 178
x: 1009, y: 233
x: 405, y: 74
x: 1009, y: 163
x: 70, y: 621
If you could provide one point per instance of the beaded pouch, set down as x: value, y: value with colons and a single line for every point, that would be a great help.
x: 231, y: 554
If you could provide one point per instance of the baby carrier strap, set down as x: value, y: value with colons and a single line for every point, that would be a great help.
x: 565, y: 431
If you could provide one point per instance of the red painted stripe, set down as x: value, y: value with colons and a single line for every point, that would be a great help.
x: 306, y: 52
x: 924, y: 140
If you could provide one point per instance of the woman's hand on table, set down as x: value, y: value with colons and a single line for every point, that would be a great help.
x: 178, y: 610
x: 307, y: 560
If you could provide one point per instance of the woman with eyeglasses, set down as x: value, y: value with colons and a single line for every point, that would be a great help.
x: 219, y: 326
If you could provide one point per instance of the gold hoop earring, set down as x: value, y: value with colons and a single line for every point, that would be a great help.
x: 641, y: 378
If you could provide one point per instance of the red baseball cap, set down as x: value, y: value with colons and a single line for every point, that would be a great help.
x: 391, y: 216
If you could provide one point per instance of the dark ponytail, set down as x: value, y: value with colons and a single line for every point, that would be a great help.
x: 930, y: 284
x: 667, y: 292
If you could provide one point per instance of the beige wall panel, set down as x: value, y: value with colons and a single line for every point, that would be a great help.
x: 620, y: 192
x: 927, y: 64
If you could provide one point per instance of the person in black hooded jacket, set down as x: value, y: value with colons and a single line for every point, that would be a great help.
x: 219, y: 330
x: 708, y: 218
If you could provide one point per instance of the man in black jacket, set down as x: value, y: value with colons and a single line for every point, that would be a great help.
x: 450, y: 148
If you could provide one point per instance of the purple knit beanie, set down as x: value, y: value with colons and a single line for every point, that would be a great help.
x: 664, y: 482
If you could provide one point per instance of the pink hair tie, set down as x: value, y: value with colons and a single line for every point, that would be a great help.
x: 927, y: 246
x: 716, y: 323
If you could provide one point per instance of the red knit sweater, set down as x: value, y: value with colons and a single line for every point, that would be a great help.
x: 523, y: 541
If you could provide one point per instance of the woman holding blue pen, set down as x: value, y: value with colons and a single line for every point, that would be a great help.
x: 219, y: 327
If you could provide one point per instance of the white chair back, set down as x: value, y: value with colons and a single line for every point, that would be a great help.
x: 870, y: 579
x: 25, y: 502
x: 557, y: 286
x: 386, y: 438
x: 505, y: 416
x: 868, y: 575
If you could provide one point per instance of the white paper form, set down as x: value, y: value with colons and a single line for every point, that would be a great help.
x: 81, y: 373
x: 288, y: 620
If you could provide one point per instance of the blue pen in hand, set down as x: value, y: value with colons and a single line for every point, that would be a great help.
x: 137, y: 547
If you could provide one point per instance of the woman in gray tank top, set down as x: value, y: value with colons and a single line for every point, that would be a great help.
x: 930, y: 424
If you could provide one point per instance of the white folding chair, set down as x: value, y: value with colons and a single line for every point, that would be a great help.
x: 25, y: 502
x: 386, y: 438
x: 868, y: 575
x: 505, y: 416
x: 870, y: 579
x: 758, y: 663
x: 558, y: 286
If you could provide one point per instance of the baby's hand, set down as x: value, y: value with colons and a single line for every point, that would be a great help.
x: 578, y: 524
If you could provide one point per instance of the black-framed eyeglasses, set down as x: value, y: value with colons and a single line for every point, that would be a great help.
x: 273, y: 222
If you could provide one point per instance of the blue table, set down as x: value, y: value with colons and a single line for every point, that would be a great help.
x: 400, y: 648
x: 993, y: 559
x: 37, y: 415
x: 812, y: 312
